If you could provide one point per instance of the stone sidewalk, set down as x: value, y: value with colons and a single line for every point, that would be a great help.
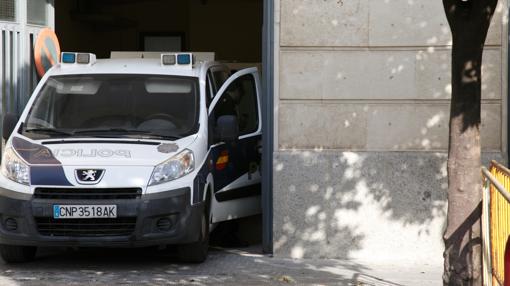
x: 223, y: 267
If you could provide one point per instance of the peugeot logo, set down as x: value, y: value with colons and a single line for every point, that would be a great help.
x: 89, y: 176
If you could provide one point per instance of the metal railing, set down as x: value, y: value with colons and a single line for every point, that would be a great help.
x: 495, y: 222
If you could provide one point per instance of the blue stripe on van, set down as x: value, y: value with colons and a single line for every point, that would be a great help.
x: 34, y: 153
x: 200, y: 180
x: 52, y: 174
x: 242, y: 154
x: 48, y: 176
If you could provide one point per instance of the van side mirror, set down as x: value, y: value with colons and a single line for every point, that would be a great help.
x: 227, y: 128
x: 10, y: 121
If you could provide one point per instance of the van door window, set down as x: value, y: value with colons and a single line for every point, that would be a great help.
x: 209, y: 93
x: 216, y: 77
x: 240, y: 99
x: 220, y: 77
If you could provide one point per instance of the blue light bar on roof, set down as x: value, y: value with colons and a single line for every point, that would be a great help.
x: 184, y: 59
x: 68, y: 58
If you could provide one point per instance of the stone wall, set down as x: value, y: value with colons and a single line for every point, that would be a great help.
x: 362, y: 110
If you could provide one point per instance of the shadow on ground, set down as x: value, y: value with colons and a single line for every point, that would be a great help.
x: 151, y: 267
x: 234, y: 265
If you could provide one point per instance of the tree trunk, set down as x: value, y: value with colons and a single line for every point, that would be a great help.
x: 469, y: 22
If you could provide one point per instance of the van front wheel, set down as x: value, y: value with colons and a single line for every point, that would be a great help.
x: 17, y: 254
x: 197, y: 252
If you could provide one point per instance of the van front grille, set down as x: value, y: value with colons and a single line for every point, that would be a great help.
x: 87, y: 194
x: 97, y: 227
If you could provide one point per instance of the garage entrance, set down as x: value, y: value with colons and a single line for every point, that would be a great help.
x: 230, y: 28
x: 233, y: 29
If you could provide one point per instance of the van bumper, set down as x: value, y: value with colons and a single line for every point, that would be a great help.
x: 145, y: 216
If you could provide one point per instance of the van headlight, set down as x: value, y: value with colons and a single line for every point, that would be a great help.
x: 173, y: 168
x: 14, y: 168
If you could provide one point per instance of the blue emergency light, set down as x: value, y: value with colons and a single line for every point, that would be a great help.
x: 184, y: 59
x: 68, y: 58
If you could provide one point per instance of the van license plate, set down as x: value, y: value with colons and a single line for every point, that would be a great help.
x: 84, y: 211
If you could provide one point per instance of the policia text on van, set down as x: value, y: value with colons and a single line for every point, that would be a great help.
x: 130, y: 152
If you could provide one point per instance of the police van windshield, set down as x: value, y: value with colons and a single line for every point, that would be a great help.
x: 138, y: 106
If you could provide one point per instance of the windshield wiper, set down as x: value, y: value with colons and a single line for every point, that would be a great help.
x: 107, y: 130
x: 48, y: 131
x: 165, y: 137
x: 128, y: 132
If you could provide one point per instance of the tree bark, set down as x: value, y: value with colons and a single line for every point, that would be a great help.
x: 469, y: 22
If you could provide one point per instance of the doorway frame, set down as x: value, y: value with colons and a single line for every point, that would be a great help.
x: 267, y: 124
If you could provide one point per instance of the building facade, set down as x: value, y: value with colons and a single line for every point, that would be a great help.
x: 362, y: 91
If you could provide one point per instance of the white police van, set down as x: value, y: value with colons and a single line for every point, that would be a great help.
x: 130, y: 152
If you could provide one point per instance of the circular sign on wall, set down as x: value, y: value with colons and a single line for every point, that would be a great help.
x: 46, y: 51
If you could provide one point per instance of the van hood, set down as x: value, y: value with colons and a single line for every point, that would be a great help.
x: 99, y: 152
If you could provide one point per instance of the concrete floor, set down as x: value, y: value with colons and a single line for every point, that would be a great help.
x: 245, y: 266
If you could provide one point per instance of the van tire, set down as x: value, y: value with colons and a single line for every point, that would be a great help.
x: 196, y: 252
x: 17, y: 254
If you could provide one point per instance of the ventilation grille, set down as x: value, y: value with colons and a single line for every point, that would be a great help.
x: 87, y: 194
x: 86, y: 227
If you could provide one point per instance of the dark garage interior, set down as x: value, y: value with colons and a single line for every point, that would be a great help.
x: 230, y: 28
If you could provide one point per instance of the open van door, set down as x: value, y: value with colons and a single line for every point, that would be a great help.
x: 236, y: 133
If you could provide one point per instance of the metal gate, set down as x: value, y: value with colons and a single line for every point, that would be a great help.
x: 17, y: 74
x: 18, y: 77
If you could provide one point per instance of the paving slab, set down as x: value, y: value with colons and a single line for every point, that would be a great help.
x: 245, y: 267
